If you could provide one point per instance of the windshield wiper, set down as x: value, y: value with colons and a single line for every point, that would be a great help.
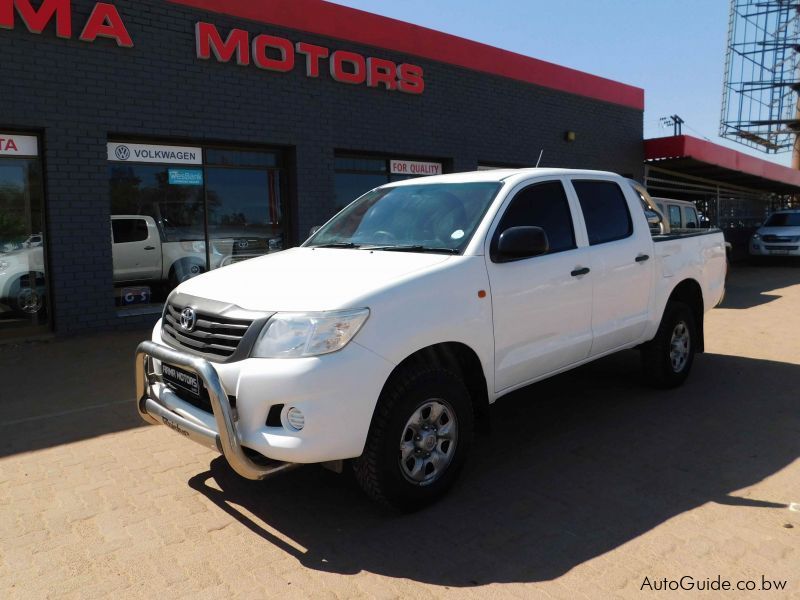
x: 413, y: 248
x: 338, y: 245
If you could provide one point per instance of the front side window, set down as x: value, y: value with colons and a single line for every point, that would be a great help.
x: 126, y: 231
x: 427, y: 217
x: 542, y: 205
x: 605, y: 211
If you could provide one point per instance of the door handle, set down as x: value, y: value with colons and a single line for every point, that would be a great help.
x: 149, y: 247
x: 579, y: 272
x: 642, y: 258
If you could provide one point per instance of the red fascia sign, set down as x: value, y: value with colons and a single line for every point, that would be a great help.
x: 103, y: 22
x: 273, y: 53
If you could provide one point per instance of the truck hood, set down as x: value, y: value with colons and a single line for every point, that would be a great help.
x: 788, y: 231
x: 308, y: 279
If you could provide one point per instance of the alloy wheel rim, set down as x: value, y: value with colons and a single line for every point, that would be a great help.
x: 30, y: 302
x: 428, y: 442
x: 679, y: 347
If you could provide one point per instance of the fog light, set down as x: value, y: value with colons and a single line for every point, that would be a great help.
x: 296, y: 418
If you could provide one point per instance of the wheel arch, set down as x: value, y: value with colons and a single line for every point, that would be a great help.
x: 690, y: 293
x: 461, y: 359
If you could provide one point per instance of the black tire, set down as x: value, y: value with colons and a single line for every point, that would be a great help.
x: 379, y: 470
x: 658, y: 362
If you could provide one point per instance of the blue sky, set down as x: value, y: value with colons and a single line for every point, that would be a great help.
x: 674, y: 49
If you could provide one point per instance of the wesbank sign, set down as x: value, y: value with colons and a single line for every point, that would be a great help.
x: 264, y: 51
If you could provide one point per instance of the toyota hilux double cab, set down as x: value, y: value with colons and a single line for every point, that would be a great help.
x: 379, y: 344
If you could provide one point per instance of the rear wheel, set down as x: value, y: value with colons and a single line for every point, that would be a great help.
x: 420, y: 436
x: 667, y: 359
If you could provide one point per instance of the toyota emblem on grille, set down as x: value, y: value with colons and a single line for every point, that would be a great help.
x: 188, y: 319
x: 243, y: 244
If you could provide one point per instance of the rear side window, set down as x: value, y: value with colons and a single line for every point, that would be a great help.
x: 542, y: 205
x: 690, y: 217
x: 605, y: 211
x: 129, y: 230
x: 675, y: 217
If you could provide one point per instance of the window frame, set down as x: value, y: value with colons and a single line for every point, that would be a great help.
x: 631, y: 226
x: 494, y: 230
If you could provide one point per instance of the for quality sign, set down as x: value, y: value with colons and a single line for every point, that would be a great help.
x: 149, y: 153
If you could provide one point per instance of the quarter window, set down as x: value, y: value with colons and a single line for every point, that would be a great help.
x: 542, y: 205
x: 605, y: 211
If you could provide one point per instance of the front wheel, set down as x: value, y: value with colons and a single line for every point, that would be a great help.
x: 420, y: 436
x: 667, y: 359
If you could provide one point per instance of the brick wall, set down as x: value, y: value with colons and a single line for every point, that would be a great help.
x: 77, y: 95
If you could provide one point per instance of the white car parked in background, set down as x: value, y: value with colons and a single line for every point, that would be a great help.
x: 387, y: 335
x: 778, y: 236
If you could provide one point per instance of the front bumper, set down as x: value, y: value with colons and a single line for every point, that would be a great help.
x: 158, y: 404
x: 774, y: 249
x: 336, y: 392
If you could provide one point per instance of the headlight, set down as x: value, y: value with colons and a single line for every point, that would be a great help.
x: 756, y: 237
x: 295, y: 335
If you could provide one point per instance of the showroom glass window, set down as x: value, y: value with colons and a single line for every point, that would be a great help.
x: 171, y: 222
x: 243, y: 197
x: 357, y: 175
x: 23, y: 273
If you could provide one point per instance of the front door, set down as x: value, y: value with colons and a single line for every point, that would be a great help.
x: 542, y: 305
x: 136, y: 250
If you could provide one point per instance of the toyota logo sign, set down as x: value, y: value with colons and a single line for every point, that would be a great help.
x: 122, y: 152
x: 188, y: 319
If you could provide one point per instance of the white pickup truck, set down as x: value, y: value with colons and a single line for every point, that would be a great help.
x: 385, y: 336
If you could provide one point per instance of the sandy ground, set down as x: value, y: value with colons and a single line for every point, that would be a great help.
x: 588, y: 484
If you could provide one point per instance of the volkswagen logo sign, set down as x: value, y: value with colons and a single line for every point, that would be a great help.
x: 188, y: 319
x: 122, y: 152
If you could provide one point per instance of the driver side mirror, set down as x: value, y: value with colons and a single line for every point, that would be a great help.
x: 516, y: 243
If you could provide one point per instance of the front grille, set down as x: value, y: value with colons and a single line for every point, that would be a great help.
x: 790, y: 248
x: 212, y: 335
x: 777, y: 239
x: 222, y: 332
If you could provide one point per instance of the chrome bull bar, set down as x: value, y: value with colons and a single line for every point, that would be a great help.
x: 156, y: 409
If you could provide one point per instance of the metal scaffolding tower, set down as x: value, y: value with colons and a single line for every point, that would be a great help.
x: 760, y: 94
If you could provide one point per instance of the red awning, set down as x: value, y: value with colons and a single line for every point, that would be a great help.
x: 691, y: 156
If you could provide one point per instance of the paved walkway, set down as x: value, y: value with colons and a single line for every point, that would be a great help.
x: 589, y: 483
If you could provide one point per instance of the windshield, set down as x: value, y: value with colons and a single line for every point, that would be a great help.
x: 783, y: 220
x: 427, y: 217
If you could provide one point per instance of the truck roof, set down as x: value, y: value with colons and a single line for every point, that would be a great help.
x: 498, y: 175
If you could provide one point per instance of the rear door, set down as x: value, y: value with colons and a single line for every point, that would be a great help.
x: 622, y: 265
x: 541, y: 305
x: 136, y: 249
